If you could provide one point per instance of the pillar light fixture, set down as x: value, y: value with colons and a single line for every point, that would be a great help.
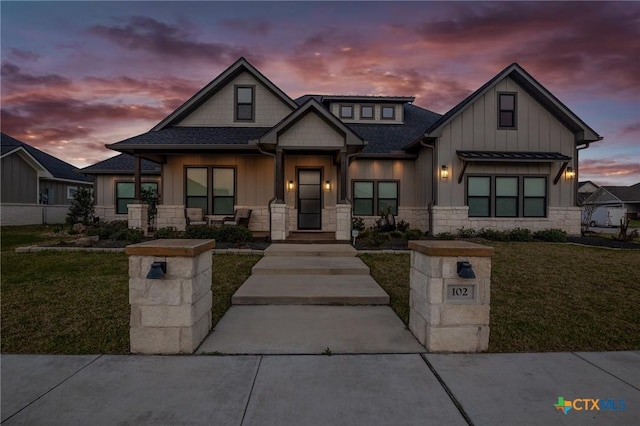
x: 157, y: 271
x: 444, y: 172
x: 290, y: 185
x: 327, y: 186
x: 570, y: 173
x: 465, y: 270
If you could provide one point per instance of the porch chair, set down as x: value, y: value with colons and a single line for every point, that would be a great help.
x: 240, y: 218
x: 194, y: 216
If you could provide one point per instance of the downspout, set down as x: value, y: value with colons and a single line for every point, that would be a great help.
x: 274, y: 180
x: 349, y: 157
x: 434, y: 178
x: 575, y: 183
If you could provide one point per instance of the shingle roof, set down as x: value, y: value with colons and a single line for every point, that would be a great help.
x: 625, y: 193
x: 511, y: 156
x: 123, y: 163
x: 58, y: 168
x: 195, y: 136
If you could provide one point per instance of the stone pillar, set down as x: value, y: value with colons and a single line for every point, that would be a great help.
x: 449, y: 313
x: 343, y: 222
x: 279, y: 229
x: 138, y: 217
x: 171, y: 315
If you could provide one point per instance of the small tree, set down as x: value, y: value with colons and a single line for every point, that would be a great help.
x: 81, y: 209
x: 151, y: 198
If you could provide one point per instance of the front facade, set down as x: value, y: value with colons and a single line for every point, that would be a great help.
x: 499, y: 159
x: 36, y: 187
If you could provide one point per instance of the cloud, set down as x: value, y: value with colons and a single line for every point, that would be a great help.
x: 606, y: 170
x: 631, y: 128
x: 255, y: 28
x: 24, y: 55
x: 13, y: 77
x: 141, y: 33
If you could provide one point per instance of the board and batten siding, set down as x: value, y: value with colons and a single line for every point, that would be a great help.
x: 311, y: 131
x: 104, y: 188
x: 254, y: 176
x: 403, y: 171
x: 329, y: 172
x: 57, y: 191
x: 19, y: 181
x: 476, y: 128
x: 219, y: 109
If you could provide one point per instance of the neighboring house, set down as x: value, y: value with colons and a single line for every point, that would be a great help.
x: 114, y: 184
x: 504, y: 157
x: 32, y: 179
x: 613, y: 197
x: 585, y: 189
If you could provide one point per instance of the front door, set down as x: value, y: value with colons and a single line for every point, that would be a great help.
x: 309, y: 201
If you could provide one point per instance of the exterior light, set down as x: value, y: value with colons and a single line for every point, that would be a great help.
x: 327, y: 186
x: 570, y: 173
x: 465, y: 270
x: 290, y: 185
x: 157, y: 271
x: 444, y: 172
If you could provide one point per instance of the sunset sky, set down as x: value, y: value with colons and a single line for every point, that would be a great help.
x: 78, y: 75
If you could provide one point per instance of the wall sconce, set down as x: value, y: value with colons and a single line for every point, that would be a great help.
x: 327, y: 186
x: 570, y: 173
x: 444, y: 172
x: 465, y: 270
x: 290, y: 185
x: 157, y: 271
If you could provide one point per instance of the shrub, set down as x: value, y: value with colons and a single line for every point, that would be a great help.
x: 201, y: 232
x: 357, y: 223
x: 234, y: 234
x: 445, y: 236
x: 466, y: 233
x: 129, y: 235
x: 105, y: 230
x: 364, y: 234
x: 413, y: 234
x: 551, y: 235
x: 492, y: 235
x: 377, y: 239
x: 520, y: 234
x: 168, y: 232
x: 396, y: 234
x: 402, y: 226
x: 81, y: 208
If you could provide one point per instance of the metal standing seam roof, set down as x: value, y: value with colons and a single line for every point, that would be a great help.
x: 58, y: 168
x: 511, y: 156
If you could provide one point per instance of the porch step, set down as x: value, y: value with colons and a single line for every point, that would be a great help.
x: 308, y: 265
x: 312, y: 237
x: 310, y: 290
x: 324, y: 250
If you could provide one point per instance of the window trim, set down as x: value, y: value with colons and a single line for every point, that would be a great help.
x: 515, y: 110
x: 373, y: 112
x: 393, y: 116
x: 376, y: 198
x: 210, y: 195
x: 520, y: 199
x: 115, y: 192
x: 69, y: 194
x: 352, y: 106
x: 236, y: 104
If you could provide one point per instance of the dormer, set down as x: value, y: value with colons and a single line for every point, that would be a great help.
x: 368, y: 109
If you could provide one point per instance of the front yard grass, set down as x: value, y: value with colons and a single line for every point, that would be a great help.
x: 546, y: 297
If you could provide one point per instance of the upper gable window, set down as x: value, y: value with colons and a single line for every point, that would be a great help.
x: 245, y: 103
x: 507, y: 110
x: 346, y: 111
x: 388, y: 113
x: 366, y: 112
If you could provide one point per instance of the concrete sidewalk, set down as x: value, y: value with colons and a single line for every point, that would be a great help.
x: 399, y: 389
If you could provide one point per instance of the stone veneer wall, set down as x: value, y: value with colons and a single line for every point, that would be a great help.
x: 452, y: 219
x: 108, y: 214
x: 171, y: 216
x: 343, y: 222
x: 279, y: 220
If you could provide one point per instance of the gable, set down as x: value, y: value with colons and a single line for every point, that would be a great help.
x: 311, y: 131
x: 218, y: 110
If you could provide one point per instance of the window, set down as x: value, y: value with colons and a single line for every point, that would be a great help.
x: 373, y: 197
x: 510, y: 196
x: 197, y: 191
x: 71, y: 191
x: 479, y: 196
x: 506, y: 197
x: 245, y: 104
x: 388, y: 197
x: 366, y: 112
x: 346, y: 111
x: 506, y: 110
x: 363, y: 198
x: 535, y: 197
x: 223, y: 190
x: 388, y: 113
x: 220, y: 200
x: 126, y: 194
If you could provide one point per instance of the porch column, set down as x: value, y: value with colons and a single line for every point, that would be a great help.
x: 344, y: 167
x: 138, y: 179
x: 279, y: 177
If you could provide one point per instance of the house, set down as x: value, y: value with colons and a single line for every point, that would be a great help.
x: 114, y: 183
x: 608, y: 198
x: 585, y: 189
x: 36, y: 187
x: 504, y: 157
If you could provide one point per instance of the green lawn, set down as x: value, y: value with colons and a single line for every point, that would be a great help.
x: 544, y: 297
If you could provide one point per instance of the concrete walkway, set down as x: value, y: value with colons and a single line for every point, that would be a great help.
x: 272, y: 312
x: 409, y: 389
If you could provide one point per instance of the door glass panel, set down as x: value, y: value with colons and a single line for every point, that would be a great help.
x: 309, y: 177
x: 309, y: 206
x: 309, y: 191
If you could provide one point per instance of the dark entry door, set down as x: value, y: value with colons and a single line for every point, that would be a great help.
x: 309, y: 202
